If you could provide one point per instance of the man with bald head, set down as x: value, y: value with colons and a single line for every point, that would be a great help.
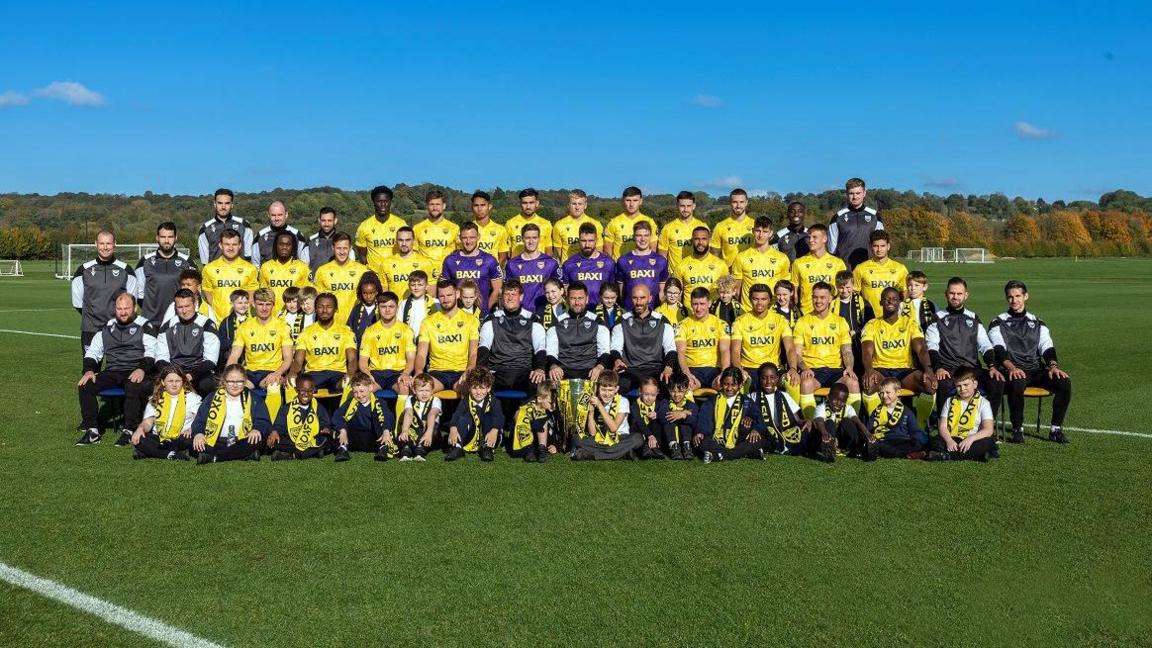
x: 263, y: 247
x: 643, y: 343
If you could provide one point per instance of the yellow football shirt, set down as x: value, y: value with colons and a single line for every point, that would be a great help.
x: 871, y: 278
x: 761, y: 338
x: 674, y: 314
x: 493, y: 238
x: 221, y: 277
x: 619, y: 233
x: 516, y: 239
x: 755, y: 267
x: 892, y: 342
x: 379, y: 238
x: 387, y: 347
x: 436, y: 240
x: 324, y: 348
x: 282, y: 276
x: 341, y: 280
x: 566, y: 235
x: 809, y: 270
x: 263, y: 343
x: 701, y: 273
x: 394, y: 274
x: 821, y: 339
x: 702, y: 340
x: 448, y: 339
x: 676, y: 240
x: 731, y: 236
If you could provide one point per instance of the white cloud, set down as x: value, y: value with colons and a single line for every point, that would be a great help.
x: 72, y: 93
x: 10, y: 99
x: 1029, y: 131
x: 942, y: 183
x: 707, y: 101
x: 761, y: 193
x: 726, y: 182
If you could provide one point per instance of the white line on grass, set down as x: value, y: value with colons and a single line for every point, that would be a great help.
x: 33, y: 310
x: 111, y: 613
x: 55, y: 335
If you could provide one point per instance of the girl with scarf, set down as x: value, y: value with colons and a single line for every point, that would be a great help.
x: 166, y: 431
x: 230, y: 423
x: 477, y: 422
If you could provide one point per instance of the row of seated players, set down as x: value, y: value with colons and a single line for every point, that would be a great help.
x: 232, y: 424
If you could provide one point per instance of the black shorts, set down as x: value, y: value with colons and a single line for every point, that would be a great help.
x: 898, y: 374
x: 446, y: 378
x: 706, y: 375
x: 386, y: 378
x: 828, y: 376
x: 333, y: 381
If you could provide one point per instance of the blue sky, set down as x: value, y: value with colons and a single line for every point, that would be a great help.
x: 1025, y: 99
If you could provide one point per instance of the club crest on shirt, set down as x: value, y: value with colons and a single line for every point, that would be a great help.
x: 115, y: 272
x: 652, y: 323
x: 1031, y: 325
x: 969, y: 323
x: 828, y: 265
x: 132, y: 331
x: 539, y: 265
x: 336, y: 336
x: 652, y: 261
x: 599, y: 264
x: 867, y: 218
x: 479, y: 261
x: 459, y: 324
x: 587, y: 324
x: 396, y: 335
x: 195, y: 332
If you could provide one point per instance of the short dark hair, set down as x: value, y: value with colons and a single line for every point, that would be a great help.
x: 236, y: 294
x: 191, y: 273
x: 879, y: 235
x: 609, y: 287
x: 964, y: 373
x: 843, y: 277
x: 442, y: 283
x: 418, y: 275
x: 341, y: 236
x: 838, y: 388
x: 433, y: 194
x: 528, y: 193
x: 958, y: 281
x: 803, y: 208
x: 577, y: 285
x: 166, y: 225
x: 530, y: 227
x: 223, y: 192
x: 513, y: 284
x: 700, y: 292
x: 1015, y: 284
x: 406, y: 228
x: 760, y: 288
x: 327, y: 295
x: 382, y: 190
x: 184, y: 293
x: 587, y: 228
x: 763, y: 222
x: 632, y: 191
x: 737, y: 192
x: 387, y: 296
x: 785, y: 284
x: 483, y: 195
x: 686, y: 195
x: 822, y: 285
x: 701, y: 228
x: 327, y: 210
x: 894, y: 289
x: 469, y: 225
x: 229, y: 234
x: 818, y: 227
x: 640, y: 224
x: 580, y: 193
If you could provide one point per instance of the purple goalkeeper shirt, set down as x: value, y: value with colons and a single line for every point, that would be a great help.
x: 532, y: 273
x: 480, y: 267
x: 641, y: 270
x: 592, y: 271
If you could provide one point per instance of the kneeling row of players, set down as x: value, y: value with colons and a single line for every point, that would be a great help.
x: 231, y: 424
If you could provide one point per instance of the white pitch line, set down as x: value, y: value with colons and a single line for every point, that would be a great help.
x: 1116, y: 432
x: 55, y: 335
x: 109, y: 612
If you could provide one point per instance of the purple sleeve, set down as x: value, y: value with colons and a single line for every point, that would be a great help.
x: 446, y: 271
x: 494, y: 267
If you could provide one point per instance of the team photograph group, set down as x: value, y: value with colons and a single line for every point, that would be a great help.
x: 625, y: 339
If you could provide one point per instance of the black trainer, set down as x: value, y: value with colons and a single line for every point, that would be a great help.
x: 938, y: 456
x: 707, y: 457
x: 686, y: 451
x: 280, y: 455
x: 453, y: 453
x: 382, y: 455
x: 542, y: 455
x: 486, y: 453
x: 342, y: 454
x: 125, y: 438
x: 580, y: 454
x: 180, y: 455
x: 1057, y: 435
x: 674, y: 452
x: 136, y: 454
x: 828, y: 451
x: 1017, y: 436
x: 205, y: 458
x: 89, y: 436
x: 529, y: 455
x: 255, y: 456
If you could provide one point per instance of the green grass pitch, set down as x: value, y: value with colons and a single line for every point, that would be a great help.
x: 1047, y: 546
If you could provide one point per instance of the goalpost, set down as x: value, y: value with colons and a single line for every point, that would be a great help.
x: 11, y: 268
x: 73, y: 254
x: 972, y: 255
x: 950, y: 255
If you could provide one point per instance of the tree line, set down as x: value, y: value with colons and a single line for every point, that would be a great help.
x: 33, y: 226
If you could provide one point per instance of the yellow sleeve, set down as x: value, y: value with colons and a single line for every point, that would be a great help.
x: 251, y: 282
x: 663, y: 242
x: 869, y: 332
x: 409, y: 340
x: 858, y: 278
x: 845, y: 336
x: 610, y: 234
x: 473, y: 329
x: 362, y: 235
x: 725, y: 332
x: 426, y: 330
x: 264, y: 279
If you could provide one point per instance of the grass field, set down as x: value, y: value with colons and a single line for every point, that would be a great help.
x: 1049, y: 545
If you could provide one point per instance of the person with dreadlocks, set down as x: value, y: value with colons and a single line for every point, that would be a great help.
x: 477, y: 422
x: 606, y: 433
x: 419, y: 416
x: 230, y: 423
x: 535, y: 432
x: 777, y: 416
x: 894, y: 432
x: 302, y: 429
x: 725, y: 430
x: 166, y: 431
x: 363, y: 422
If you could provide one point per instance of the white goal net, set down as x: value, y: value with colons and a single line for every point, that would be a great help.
x: 73, y: 254
x: 972, y: 255
x: 11, y: 268
x: 949, y: 255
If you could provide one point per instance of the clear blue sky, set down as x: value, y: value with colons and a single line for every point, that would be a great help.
x: 1033, y: 100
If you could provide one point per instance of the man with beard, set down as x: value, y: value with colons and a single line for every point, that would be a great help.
x: 469, y: 262
x: 792, y: 240
x: 618, y: 232
x: 127, y: 346
x: 341, y: 276
x: 158, y: 274
x: 761, y: 263
x: 264, y: 245
x: 321, y: 245
x: 399, y: 267
x: 531, y: 268
x: 849, y: 229
x: 643, y: 343
x: 893, y: 346
x: 577, y: 345
x: 823, y: 343
x: 702, y: 269
x: 566, y: 231
x: 957, y: 339
x: 190, y: 343
x: 447, y: 340
x: 493, y: 235
x: 734, y: 233
x: 326, y: 349
x: 529, y: 203
x: 388, y: 348
x: 676, y: 236
x: 703, y: 344
x: 228, y: 273
x: 591, y: 267
x: 436, y: 236
x: 208, y: 239
x: 376, y: 236
x: 512, y: 343
x: 96, y: 284
x: 285, y: 269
